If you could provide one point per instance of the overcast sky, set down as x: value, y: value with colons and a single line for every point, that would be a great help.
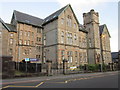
x: 107, y: 9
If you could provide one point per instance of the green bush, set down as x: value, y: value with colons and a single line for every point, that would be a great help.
x: 93, y: 67
x: 104, y: 67
x: 81, y: 67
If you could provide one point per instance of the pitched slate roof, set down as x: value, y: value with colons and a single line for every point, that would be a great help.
x: 53, y: 16
x: 11, y: 27
x: 56, y: 14
x: 3, y: 23
x: 101, y: 29
x: 28, y: 19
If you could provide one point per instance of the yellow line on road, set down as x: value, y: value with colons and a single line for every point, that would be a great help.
x: 55, y: 82
x: 24, y: 86
x: 39, y: 84
x: 20, y: 86
x: 5, y: 87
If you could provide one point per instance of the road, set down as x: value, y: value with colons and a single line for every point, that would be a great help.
x: 88, y: 80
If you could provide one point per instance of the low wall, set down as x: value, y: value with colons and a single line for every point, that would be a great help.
x: 8, y: 70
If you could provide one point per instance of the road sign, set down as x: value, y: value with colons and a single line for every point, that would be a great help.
x: 27, y: 59
x: 34, y: 59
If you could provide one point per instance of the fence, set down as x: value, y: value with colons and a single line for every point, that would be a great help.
x: 29, y: 67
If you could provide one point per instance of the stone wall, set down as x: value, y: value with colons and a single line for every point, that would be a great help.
x: 8, y: 67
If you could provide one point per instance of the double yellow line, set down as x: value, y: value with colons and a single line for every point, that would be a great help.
x: 24, y: 86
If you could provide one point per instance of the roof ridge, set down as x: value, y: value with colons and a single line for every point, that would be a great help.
x: 27, y: 18
x: 27, y: 14
x: 4, y: 24
x: 56, y: 11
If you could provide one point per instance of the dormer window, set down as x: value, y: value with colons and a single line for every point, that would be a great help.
x: 27, y: 21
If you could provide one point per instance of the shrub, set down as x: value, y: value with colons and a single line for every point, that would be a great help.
x: 93, y: 67
x: 104, y: 67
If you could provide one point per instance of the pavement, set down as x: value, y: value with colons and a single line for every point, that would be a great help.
x: 84, y: 80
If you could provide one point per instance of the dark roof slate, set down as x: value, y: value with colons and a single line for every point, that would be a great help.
x: 56, y: 14
x: 101, y: 29
x: 53, y: 16
x: 28, y: 19
x: 11, y: 27
x: 4, y: 24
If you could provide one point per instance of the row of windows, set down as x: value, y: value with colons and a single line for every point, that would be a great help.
x: 26, y: 42
x: 28, y: 51
x: 69, y: 21
x: 82, y: 56
x: 28, y: 33
x: 82, y: 41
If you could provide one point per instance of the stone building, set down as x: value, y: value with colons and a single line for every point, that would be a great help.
x: 105, y: 44
x: 64, y: 38
x: 91, y: 23
x: 7, y: 39
x: 28, y: 36
x: 3, y: 38
x: 98, y: 39
x: 60, y: 36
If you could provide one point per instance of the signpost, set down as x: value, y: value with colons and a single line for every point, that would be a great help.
x: 26, y: 59
x: 31, y: 59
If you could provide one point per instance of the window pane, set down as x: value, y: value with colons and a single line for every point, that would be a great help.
x: 11, y: 41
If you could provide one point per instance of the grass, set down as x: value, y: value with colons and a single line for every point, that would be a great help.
x: 19, y: 73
